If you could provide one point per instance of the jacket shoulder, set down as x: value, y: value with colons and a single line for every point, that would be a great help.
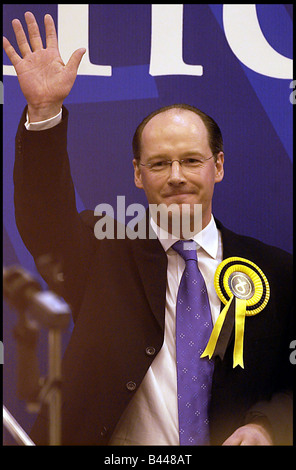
x: 255, y: 250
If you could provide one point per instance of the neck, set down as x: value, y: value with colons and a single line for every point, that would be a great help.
x: 184, y: 227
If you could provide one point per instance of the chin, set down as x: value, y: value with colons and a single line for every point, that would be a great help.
x: 180, y: 218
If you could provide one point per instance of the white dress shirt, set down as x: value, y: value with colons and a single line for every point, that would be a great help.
x: 152, y: 415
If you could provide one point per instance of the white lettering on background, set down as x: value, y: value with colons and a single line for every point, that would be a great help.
x: 167, y: 42
x: 245, y: 38
x: 241, y: 26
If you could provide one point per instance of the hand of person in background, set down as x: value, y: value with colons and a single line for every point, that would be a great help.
x: 251, y: 434
x: 44, y: 78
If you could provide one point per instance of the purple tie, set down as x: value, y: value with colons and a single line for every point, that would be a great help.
x: 193, y: 330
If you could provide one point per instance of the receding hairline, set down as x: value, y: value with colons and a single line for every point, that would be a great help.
x: 212, y: 128
x: 173, y: 111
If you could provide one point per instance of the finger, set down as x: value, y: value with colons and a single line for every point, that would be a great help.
x: 10, y: 51
x: 33, y: 30
x: 75, y: 60
x: 21, y: 38
x: 233, y: 440
x: 50, y: 31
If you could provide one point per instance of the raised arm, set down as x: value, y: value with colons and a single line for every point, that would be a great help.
x: 44, y: 194
x: 44, y: 78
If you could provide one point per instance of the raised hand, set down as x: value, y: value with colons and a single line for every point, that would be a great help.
x: 44, y: 78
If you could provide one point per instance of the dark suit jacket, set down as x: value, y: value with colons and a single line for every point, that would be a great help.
x: 117, y: 291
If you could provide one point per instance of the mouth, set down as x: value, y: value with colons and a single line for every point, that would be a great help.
x: 178, y: 195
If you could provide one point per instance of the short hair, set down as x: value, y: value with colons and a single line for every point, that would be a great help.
x: 214, y: 132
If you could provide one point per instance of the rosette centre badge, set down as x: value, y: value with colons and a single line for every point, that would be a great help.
x: 241, y: 285
x: 244, y: 289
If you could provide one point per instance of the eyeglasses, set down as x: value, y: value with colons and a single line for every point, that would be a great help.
x: 189, y: 164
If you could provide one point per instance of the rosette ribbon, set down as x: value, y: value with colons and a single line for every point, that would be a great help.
x: 244, y: 290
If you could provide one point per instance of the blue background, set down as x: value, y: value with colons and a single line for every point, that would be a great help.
x: 253, y: 111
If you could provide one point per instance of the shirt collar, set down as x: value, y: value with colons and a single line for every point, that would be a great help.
x: 207, y: 238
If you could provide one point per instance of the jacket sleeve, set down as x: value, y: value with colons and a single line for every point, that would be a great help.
x: 277, y: 416
x: 45, y: 207
x: 277, y: 412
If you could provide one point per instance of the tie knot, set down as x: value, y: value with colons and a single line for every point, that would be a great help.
x: 186, y: 249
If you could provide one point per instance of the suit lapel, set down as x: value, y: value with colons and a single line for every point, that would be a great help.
x: 151, y: 260
x: 232, y: 245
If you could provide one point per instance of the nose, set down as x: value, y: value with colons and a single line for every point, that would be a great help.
x: 176, y: 176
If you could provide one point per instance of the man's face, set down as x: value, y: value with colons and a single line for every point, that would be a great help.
x: 175, y: 135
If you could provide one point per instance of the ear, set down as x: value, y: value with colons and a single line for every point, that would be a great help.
x: 219, y: 167
x: 137, y: 174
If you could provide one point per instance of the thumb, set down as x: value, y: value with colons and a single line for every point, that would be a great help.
x: 75, y: 59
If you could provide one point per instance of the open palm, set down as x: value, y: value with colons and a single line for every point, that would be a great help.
x: 44, y: 79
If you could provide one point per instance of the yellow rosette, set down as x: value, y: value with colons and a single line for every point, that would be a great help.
x: 244, y: 289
